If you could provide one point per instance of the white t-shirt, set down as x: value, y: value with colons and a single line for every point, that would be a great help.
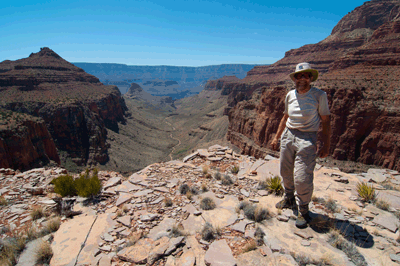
x: 304, y: 110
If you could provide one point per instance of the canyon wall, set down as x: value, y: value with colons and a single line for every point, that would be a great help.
x: 359, y: 66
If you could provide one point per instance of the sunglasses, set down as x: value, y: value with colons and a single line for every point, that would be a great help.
x: 302, y: 75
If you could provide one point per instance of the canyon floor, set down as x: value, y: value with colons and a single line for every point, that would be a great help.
x: 130, y: 223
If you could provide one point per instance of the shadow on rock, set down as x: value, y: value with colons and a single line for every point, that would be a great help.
x: 350, y: 231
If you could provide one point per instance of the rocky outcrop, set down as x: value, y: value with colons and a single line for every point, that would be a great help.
x: 75, y: 106
x: 25, y: 142
x: 359, y: 70
x: 175, y: 228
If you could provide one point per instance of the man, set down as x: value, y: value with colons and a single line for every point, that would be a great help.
x: 305, y: 108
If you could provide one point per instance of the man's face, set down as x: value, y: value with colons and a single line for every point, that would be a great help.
x: 302, y: 80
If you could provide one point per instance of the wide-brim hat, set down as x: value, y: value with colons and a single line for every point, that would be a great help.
x: 305, y: 67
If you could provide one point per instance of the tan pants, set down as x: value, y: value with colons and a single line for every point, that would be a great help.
x: 297, y: 162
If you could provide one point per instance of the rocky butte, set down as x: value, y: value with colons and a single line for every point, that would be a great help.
x: 359, y: 66
x: 75, y: 111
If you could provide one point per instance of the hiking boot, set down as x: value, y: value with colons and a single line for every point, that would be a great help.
x: 304, y: 216
x: 286, y: 203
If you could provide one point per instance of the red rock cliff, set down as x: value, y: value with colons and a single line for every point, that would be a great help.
x: 359, y: 65
x: 25, y: 142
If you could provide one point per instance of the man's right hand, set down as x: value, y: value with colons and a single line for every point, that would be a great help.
x: 275, y: 144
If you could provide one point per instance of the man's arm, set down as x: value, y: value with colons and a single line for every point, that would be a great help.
x: 326, y: 136
x: 281, y: 127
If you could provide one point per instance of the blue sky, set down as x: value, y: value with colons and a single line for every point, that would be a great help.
x: 182, y: 33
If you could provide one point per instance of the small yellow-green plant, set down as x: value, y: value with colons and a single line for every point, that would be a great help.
x: 84, y: 186
x: 88, y: 186
x: 366, y: 192
x: 273, y: 185
x: 235, y: 169
x: 64, y: 185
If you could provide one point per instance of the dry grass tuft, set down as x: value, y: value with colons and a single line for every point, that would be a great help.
x: 254, y: 212
x: 226, y: 180
x: 217, y: 176
x: 208, y: 233
x: 204, y: 187
x: 331, y: 205
x: 37, y: 213
x: 259, y: 236
x: 207, y: 203
x: 252, y: 245
x: 177, y: 230
x: 10, y: 249
x: 366, y: 192
x: 189, y: 195
x: 3, y: 201
x: 53, y: 225
x: 44, y: 253
x: 184, y: 188
x: 168, y: 202
x: 382, y: 204
x: 205, y: 169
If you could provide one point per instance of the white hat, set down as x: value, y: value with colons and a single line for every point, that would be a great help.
x: 304, y: 67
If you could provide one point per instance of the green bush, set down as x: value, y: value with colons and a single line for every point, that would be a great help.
x: 84, y: 186
x: 64, y: 185
x: 87, y: 186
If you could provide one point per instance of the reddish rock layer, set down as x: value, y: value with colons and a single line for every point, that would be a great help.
x: 25, y: 142
x: 75, y: 106
x: 359, y: 69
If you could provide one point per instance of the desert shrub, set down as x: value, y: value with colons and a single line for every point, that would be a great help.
x: 316, y: 199
x: 183, y: 189
x: 194, y: 190
x: 252, y: 245
x: 3, y: 201
x: 273, y: 185
x: 177, y: 231
x: 64, y: 185
x: 32, y: 233
x: 52, y: 225
x: 226, y: 180
x: 208, y: 176
x: 88, y: 186
x: 43, y: 253
x: 217, y: 176
x: 205, y: 169
x: 208, y: 232
x: 168, y: 202
x: 304, y: 260
x: 382, y: 204
x: 261, y: 214
x: 366, y: 192
x: 331, y: 205
x: 37, y: 213
x: 189, y: 195
x: 235, y: 169
x: 254, y: 212
x: 119, y: 213
x: 204, y: 187
x: 207, y: 203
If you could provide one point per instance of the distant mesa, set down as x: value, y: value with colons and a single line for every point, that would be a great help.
x: 136, y: 92
x: 174, y: 81
x: 75, y: 106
